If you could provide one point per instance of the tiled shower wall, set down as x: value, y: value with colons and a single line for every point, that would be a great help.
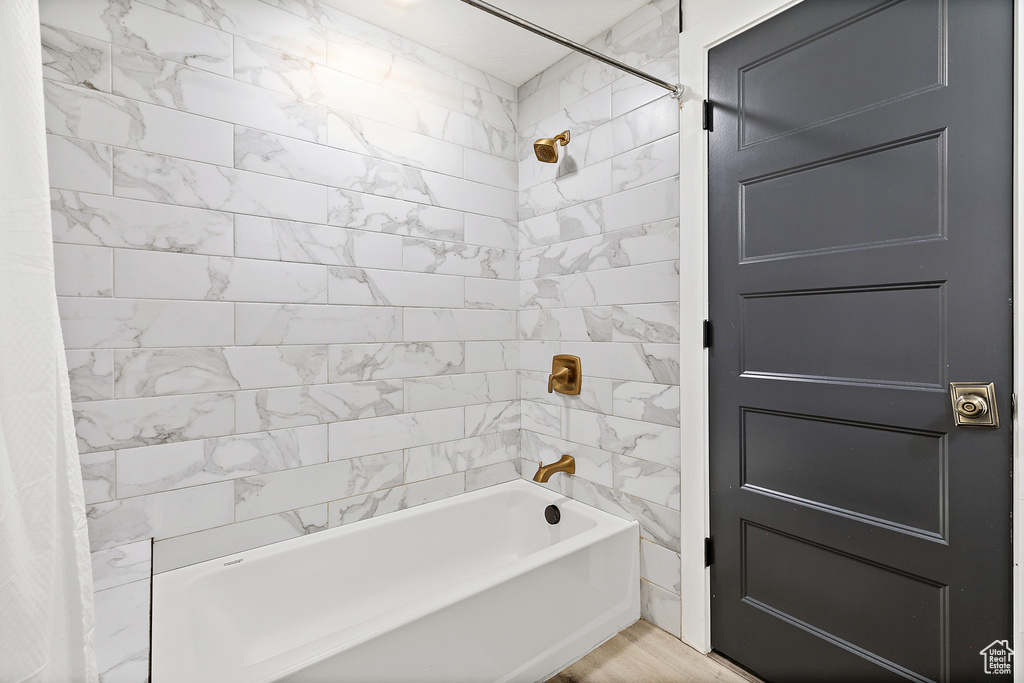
x: 285, y: 248
x: 291, y: 251
x: 599, y: 270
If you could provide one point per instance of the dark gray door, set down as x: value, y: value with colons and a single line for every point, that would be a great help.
x: 860, y: 241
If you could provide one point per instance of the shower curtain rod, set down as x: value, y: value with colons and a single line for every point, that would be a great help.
x: 676, y: 90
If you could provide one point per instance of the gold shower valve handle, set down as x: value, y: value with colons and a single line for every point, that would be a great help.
x: 566, y: 375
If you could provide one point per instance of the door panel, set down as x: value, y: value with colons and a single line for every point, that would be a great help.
x: 860, y: 252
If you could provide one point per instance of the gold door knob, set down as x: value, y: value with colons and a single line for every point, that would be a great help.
x: 974, y: 404
x: 970, y: 405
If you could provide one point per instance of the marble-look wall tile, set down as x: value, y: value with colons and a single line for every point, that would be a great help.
x: 123, y: 564
x: 643, y: 165
x: 491, y: 232
x: 657, y: 201
x: 630, y: 93
x: 435, y: 60
x: 462, y: 129
x: 261, y: 367
x: 177, y: 181
x: 652, y: 121
x: 74, y: 58
x: 542, y: 418
x: 80, y: 218
x: 91, y: 373
x: 491, y: 475
x: 287, y: 157
x: 440, y: 324
x: 491, y: 418
x: 438, y: 460
x: 644, y: 205
x: 83, y: 271
x: 660, y: 566
x: 160, y: 515
x: 365, y: 287
x: 538, y: 105
x: 492, y: 170
x: 661, y: 608
x: 152, y: 469
x: 454, y: 258
x: 466, y: 195
x: 129, y: 323
x: 407, y: 430
x: 647, y: 480
x: 491, y: 107
x: 136, y: 25
x: 644, y: 440
x: 144, y: 77
x: 648, y: 402
x: 629, y: 247
x: 79, y: 165
x: 492, y: 294
x: 547, y: 228
x: 98, y: 476
x: 394, y: 71
x: 488, y: 356
x: 262, y: 23
x: 316, y: 404
x: 383, y: 501
x: 656, y: 282
x: 160, y: 275
x: 285, y: 490
x: 536, y: 356
x: 121, y: 122
x: 355, y: 362
x: 588, y: 183
x: 165, y: 372
x: 639, y: 362
x: 127, y: 423
x: 181, y: 551
x: 432, y: 393
x: 272, y: 324
x: 280, y: 240
x: 392, y: 143
x: 122, y: 633
x: 564, y: 324
x: 365, y: 211
x: 563, y: 111
x: 658, y: 323
x: 301, y: 78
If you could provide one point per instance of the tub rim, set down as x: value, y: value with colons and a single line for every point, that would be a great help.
x: 282, y: 665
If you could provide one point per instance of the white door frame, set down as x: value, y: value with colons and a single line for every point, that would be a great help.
x: 707, y: 23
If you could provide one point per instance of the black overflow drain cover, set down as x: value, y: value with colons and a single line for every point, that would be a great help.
x: 552, y: 514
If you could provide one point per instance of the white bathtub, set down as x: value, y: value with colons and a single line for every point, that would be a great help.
x: 473, y: 588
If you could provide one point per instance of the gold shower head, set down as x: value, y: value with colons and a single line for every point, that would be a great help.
x: 546, y: 150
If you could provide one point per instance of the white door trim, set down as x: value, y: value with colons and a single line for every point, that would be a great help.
x: 707, y: 23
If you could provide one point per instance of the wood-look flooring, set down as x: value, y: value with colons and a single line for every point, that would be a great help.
x: 644, y: 653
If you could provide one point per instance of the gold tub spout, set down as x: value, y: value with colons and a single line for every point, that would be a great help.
x: 567, y: 464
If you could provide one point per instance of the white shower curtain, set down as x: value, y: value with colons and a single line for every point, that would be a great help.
x: 46, y: 608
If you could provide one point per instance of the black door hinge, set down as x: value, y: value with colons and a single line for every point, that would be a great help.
x: 708, y: 124
x: 709, y: 552
x: 708, y: 333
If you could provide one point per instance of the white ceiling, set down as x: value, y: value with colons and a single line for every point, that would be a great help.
x: 490, y: 44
